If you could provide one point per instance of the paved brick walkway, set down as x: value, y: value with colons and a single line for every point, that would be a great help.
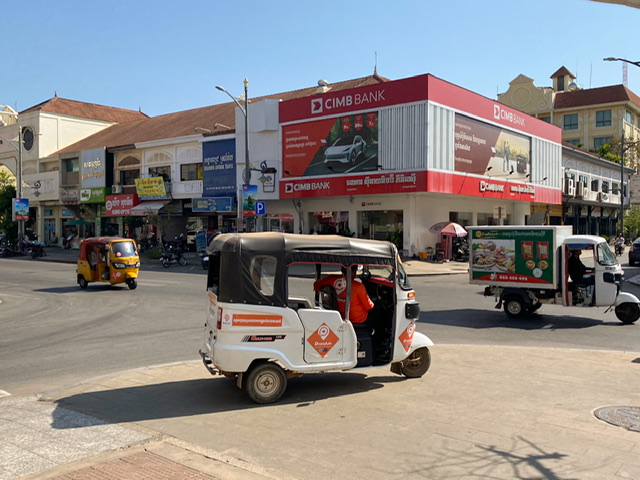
x: 139, y: 466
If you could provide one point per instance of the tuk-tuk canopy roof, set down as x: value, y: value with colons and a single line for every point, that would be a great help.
x: 307, y: 248
x: 105, y: 239
x: 232, y: 256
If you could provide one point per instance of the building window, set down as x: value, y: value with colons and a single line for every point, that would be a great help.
x: 603, y: 118
x: 575, y: 142
x: 615, y: 189
x: 191, y: 171
x: 628, y: 117
x: 128, y: 177
x: 595, y: 184
x: 600, y: 141
x: 164, y: 172
x: 545, y: 119
x: 571, y: 121
x: 605, y: 186
x: 71, y: 171
x: 560, y: 84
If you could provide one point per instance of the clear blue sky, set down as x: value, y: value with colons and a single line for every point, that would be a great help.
x: 165, y: 56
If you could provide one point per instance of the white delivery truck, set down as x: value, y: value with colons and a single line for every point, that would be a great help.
x: 524, y: 267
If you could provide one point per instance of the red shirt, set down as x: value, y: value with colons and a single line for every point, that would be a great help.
x: 360, y: 301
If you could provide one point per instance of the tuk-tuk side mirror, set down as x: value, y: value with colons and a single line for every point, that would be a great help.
x: 412, y: 310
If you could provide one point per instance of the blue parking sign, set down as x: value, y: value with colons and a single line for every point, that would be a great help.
x: 260, y: 208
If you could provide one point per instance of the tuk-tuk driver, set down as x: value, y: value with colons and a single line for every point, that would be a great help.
x: 578, y: 272
x: 360, y: 301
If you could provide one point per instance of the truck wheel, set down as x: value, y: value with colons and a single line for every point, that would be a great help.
x: 417, y: 364
x: 265, y: 383
x: 514, y: 307
x: 82, y: 281
x: 628, y: 312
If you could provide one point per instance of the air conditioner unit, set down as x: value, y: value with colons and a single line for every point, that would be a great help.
x: 603, y: 197
x: 581, y: 190
x: 116, y: 189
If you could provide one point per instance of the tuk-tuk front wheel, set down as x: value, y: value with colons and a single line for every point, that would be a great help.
x: 265, y: 383
x: 132, y: 283
x: 417, y: 364
x: 628, y: 312
x: 82, y: 281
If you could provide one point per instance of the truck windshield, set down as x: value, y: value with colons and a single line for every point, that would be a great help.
x: 605, y: 255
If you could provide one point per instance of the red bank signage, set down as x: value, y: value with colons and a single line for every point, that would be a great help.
x: 120, y: 205
x: 369, y: 97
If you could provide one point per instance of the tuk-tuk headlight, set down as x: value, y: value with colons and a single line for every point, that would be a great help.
x: 137, y: 264
x: 119, y: 265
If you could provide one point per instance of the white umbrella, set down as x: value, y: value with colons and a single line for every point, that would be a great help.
x: 448, y: 228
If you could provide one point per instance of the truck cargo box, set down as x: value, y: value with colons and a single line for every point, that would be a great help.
x: 516, y: 256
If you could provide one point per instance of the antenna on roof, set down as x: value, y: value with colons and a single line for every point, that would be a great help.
x: 55, y: 94
x: 625, y: 80
x: 375, y: 66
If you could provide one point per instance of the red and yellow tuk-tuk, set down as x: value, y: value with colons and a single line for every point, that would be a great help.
x: 111, y: 260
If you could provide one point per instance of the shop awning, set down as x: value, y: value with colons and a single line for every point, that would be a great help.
x: 147, y: 208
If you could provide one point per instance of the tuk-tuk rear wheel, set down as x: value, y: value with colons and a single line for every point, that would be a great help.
x: 265, y: 383
x: 417, y: 364
x: 82, y: 281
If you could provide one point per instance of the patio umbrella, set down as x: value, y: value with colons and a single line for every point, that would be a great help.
x: 448, y: 228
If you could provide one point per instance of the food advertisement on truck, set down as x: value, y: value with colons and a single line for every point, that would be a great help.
x: 512, y: 255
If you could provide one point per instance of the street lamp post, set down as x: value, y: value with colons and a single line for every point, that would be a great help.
x: 246, y: 173
x: 622, y: 147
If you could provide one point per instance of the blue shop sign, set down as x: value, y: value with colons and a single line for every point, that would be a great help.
x: 219, y: 168
x: 218, y: 204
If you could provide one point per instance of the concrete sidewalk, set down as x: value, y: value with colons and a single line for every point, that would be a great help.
x: 413, y: 267
x: 480, y: 412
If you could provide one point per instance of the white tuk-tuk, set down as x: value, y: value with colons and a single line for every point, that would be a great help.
x: 265, y: 325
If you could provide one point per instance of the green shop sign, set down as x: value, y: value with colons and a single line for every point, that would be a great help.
x: 93, y: 195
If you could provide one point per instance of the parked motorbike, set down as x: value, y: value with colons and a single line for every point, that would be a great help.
x: 11, y: 250
x: 173, y: 252
x: 35, y: 249
x: 461, y: 251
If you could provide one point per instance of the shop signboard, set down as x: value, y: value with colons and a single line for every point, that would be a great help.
x: 371, y: 184
x: 20, y: 209
x: 120, y: 205
x: 217, y: 204
x: 92, y: 168
x: 93, y: 195
x: 152, y: 188
x: 219, y: 168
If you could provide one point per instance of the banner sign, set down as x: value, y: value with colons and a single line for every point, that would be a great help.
x: 120, y: 205
x: 485, y: 149
x: 151, y: 188
x: 333, y: 146
x: 249, y: 197
x: 20, y: 209
x: 219, y: 168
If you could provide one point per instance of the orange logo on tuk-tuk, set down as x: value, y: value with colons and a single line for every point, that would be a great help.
x: 323, y: 339
x: 406, y: 337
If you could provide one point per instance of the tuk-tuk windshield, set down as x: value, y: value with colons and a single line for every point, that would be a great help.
x: 605, y: 255
x: 123, y: 249
x: 387, y: 272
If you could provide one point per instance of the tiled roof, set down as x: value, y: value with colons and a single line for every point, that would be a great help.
x: 179, y: 124
x: 86, y: 110
x: 561, y: 72
x: 595, y: 96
